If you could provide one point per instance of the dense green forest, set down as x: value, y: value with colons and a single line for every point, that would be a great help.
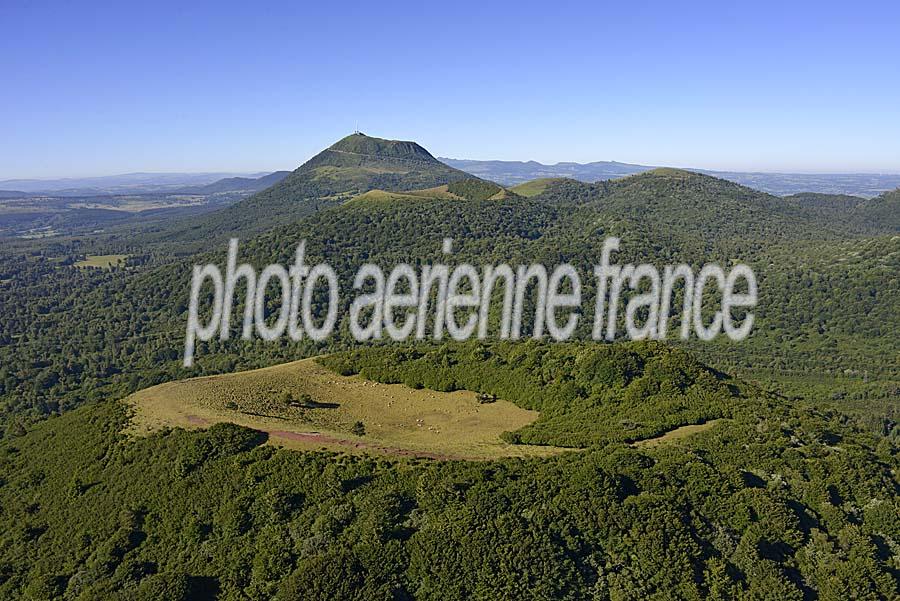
x: 792, y: 494
x: 778, y: 501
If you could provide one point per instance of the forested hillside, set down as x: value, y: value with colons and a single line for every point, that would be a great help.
x: 791, y: 492
x: 779, y: 501
x: 827, y: 305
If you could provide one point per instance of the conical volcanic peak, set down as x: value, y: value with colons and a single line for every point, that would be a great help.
x: 347, y: 168
x: 361, y: 144
x: 361, y: 151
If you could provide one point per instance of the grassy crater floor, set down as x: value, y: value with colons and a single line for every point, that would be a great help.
x: 303, y: 405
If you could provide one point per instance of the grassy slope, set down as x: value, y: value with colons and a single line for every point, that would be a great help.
x: 397, y: 419
x: 536, y: 186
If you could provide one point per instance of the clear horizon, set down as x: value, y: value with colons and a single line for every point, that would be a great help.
x: 108, y: 88
x: 261, y: 172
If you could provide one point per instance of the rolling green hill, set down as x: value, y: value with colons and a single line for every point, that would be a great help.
x: 237, y: 183
x: 536, y: 186
x: 477, y: 189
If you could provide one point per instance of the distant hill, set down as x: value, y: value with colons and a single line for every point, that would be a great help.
x: 880, y: 214
x: 511, y: 173
x: 13, y: 194
x: 66, y: 213
x: 685, y: 210
x: 233, y: 184
x: 883, y: 210
x: 695, y: 206
x: 130, y: 183
x: 352, y: 165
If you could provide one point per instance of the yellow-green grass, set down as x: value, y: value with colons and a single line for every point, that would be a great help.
x: 504, y: 194
x: 382, y: 196
x: 438, y: 192
x: 398, y: 420
x: 535, y: 186
x: 676, y: 434
x: 103, y: 261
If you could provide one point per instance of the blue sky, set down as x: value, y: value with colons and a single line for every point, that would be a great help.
x: 92, y: 88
